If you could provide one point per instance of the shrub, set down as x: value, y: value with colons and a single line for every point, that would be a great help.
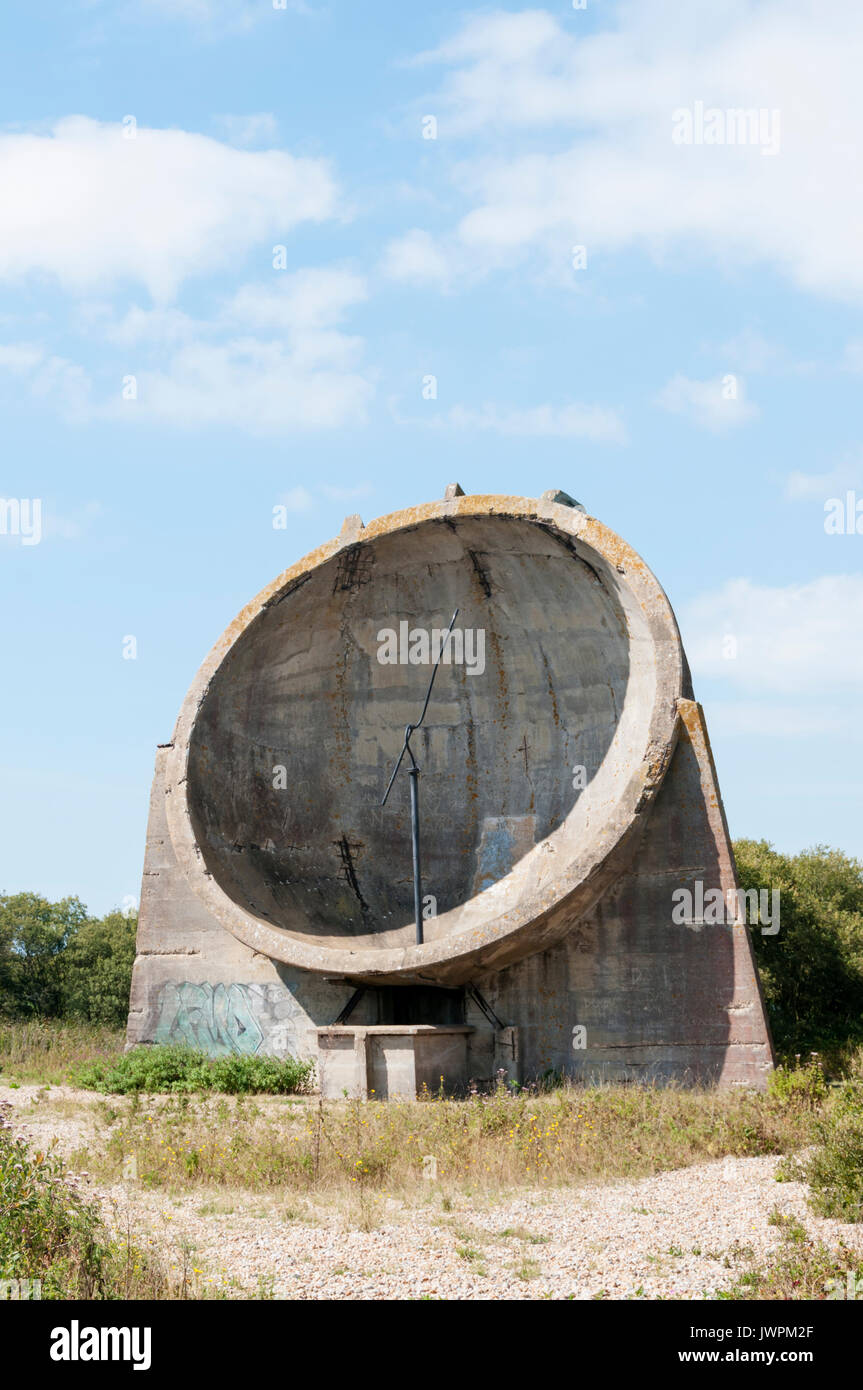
x: 802, y: 1268
x: 51, y: 1234
x: 834, y: 1170
x: 238, y: 1075
x: 183, y: 1069
x: 806, y: 1086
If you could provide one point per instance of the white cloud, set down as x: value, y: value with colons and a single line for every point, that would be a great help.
x: 821, y: 486
x: 147, y: 325
x: 92, y: 208
x: 750, y: 351
x: 52, y: 380
x: 20, y: 357
x: 271, y: 360
x: 574, y: 421
x: 262, y: 387
x: 580, y: 128
x: 801, y: 638
x: 708, y: 403
x: 418, y: 259
x: 307, y: 299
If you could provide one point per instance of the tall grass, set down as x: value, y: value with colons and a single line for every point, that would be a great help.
x: 46, y: 1049
x: 52, y: 1236
x: 570, y: 1135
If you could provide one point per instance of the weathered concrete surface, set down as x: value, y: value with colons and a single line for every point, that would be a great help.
x: 585, y: 668
x: 390, y: 1062
x: 186, y: 962
x: 263, y: 908
x: 658, y: 1001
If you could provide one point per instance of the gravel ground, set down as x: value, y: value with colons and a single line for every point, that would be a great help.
x: 684, y: 1234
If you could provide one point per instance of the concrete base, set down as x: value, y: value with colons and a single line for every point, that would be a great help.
x: 392, y: 1061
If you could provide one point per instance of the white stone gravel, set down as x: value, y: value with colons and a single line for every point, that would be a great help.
x: 684, y: 1234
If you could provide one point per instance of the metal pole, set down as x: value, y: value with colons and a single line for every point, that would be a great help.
x: 414, y: 773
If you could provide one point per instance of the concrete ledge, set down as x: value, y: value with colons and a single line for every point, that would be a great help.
x: 389, y: 1061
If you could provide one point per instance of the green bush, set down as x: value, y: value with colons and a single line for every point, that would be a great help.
x: 49, y: 1233
x: 176, y: 1069
x: 812, y: 969
x: 806, y: 1086
x: 237, y: 1075
x: 834, y: 1170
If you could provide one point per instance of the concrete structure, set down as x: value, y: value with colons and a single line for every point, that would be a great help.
x: 567, y: 791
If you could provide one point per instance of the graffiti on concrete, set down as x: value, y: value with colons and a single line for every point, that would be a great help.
x: 215, y: 1018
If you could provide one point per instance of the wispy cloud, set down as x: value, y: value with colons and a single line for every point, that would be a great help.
x: 52, y: 380
x: 715, y: 405
x: 766, y: 640
x: 418, y: 259
x: 272, y: 359
x: 803, y: 486
x: 589, y: 155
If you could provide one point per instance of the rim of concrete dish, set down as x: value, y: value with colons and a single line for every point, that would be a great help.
x: 563, y: 891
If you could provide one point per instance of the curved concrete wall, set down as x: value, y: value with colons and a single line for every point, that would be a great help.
x: 581, y: 668
x: 267, y: 910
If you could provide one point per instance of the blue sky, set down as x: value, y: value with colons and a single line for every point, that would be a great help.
x: 696, y: 384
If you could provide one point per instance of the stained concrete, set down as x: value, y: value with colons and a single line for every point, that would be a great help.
x: 392, y: 1062
x: 264, y: 908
